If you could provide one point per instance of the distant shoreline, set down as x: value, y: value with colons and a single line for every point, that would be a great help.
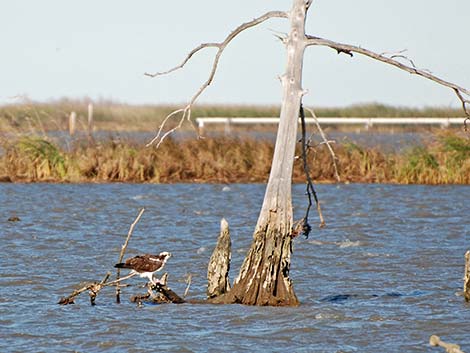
x: 110, y: 116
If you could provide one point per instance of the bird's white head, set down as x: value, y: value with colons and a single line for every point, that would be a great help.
x: 165, y: 255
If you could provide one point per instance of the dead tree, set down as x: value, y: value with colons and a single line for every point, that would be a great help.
x: 264, y: 276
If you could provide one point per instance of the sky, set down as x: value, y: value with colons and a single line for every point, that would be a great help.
x: 100, y: 50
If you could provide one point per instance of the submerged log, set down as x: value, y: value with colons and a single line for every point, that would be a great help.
x: 218, y: 282
x: 466, y: 283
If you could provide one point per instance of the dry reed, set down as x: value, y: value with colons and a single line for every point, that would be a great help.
x: 226, y: 160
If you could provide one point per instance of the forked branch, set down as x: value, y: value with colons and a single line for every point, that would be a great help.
x: 185, y: 113
x: 463, y: 94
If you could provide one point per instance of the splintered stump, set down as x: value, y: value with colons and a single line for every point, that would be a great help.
x: 264, y: 275
x: 219, y: 264
x: 466, y: 283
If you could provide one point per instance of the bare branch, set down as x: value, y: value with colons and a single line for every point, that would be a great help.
x: 462, y: 93
x: 326, y: 141
x: 123, y: 250
x: 188, y: 57
x: 186, y: 111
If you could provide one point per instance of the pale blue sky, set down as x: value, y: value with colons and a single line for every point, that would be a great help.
x: 101, y: 48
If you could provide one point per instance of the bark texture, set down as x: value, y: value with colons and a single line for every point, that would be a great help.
x: 466, y: 279
x: 218, y: 282
x: 264, y: 275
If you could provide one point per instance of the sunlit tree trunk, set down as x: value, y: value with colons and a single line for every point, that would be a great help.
x: 264, y: 275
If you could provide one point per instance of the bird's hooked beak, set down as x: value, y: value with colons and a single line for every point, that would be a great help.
x: 166, y: 254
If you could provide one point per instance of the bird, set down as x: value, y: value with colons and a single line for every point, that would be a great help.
x: 145, y: 265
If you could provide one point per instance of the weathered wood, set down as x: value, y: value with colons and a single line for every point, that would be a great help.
x: 90, y: 122
x: 72, y: 123
x: 466, y: 282
x: 435, y: 341
x: 158, y: 293
x: 218, y: 282
x: 169, y: 294
x: 264, y: 275
x: 92, y: 288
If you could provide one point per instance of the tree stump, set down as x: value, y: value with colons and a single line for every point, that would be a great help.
x: 218, y: 282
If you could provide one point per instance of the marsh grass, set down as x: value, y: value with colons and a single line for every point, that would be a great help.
x: 44, y: 155
x: 29, y: 153
x: 226, y: 160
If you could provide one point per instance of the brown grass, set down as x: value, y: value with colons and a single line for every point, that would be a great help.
x: 226, y: 160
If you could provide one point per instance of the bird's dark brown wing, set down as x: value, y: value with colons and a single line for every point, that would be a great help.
x: 144, y: 263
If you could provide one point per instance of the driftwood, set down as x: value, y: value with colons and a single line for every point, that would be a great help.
x: 466, y: 282
x: 156, y: 293
x: 218, y: 281
x: 93, y: 288
x: 435, y: 341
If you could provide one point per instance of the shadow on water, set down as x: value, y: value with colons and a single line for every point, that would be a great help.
x: 382, y: 276
x: 341, y: 298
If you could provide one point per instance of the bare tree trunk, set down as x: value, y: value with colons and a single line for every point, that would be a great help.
x: 264, y: 275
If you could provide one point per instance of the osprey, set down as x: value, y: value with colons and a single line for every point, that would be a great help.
x: 145, y: 265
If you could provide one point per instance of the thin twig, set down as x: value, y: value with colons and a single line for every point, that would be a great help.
x: 463, y: 94
x: 123, y: 250
x: 112, y: 283
x: 188, y: 281
x: 186, y: 111
x: 186, y: 59
x: 325, y: 141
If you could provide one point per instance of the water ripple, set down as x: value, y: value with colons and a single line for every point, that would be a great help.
x: 382, y: 276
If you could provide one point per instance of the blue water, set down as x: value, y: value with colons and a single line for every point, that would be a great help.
x: 382, y: 276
